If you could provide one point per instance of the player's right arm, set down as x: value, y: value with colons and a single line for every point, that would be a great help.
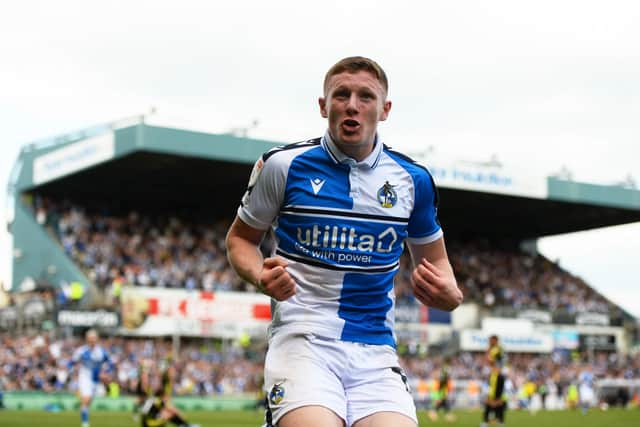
x: 75, y: 358
x: 269, y: 275
x: 260, y: 206
x: 434, y: 283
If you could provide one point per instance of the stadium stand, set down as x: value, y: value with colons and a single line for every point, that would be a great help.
x: 141, y: 249
x: 136, y: 207
x: 168, y: 251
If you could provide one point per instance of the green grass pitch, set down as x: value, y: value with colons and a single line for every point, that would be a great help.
x: 595, y: 418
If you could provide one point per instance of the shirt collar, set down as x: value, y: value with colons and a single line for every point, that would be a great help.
x: 339, y: 157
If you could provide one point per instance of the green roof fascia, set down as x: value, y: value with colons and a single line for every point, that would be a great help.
x: 142, y: 137
x: 593, y: 194
x: 197, y: 144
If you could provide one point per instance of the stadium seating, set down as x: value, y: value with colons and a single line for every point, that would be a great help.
x: 168, y: 251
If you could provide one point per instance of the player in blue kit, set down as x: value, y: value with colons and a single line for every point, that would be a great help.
x: 340, y: 208
x: 91, y: 357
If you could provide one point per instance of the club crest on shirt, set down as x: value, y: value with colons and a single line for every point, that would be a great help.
x: 255, y: 172
x: 276, y: 394
x: 387, y: 196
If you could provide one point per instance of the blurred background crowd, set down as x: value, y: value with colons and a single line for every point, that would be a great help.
x: 42, y: 363
x: 171, y: 252
x: 117, y: 249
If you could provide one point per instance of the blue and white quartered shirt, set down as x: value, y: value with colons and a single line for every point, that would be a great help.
x: 341, y: 225
x: 91, y: 361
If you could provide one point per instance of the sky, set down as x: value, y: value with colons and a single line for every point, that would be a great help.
x: 542, y: 85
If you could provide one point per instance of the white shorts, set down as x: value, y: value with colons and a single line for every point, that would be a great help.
x: 86, y: 387
x: 353, y: 380
x: 587, y: 395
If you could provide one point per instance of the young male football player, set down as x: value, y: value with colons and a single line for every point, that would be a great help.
x: 341, y: 208
x: 91, y: 357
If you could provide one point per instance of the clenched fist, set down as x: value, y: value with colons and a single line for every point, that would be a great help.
x: 435, y: 287
x: 275, y: 281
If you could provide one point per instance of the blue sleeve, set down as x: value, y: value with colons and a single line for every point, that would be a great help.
x: 109, y: 361
x: 424, y: 226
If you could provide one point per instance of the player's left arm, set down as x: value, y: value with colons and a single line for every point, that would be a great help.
x: 433, y: 281
x: 110, y: 367
x: 108, y: 360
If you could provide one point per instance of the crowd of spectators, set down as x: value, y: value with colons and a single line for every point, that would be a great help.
x: 512, y: 278
x: 141, y: 249
x: 549, y: 378
x: 40, y: 363
x: 562, y: 367
x: 168, y: 251
x: 208, y: 368
x: 523, y: 281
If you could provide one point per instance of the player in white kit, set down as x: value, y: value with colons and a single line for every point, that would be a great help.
x: 340, y: 208
x: 586, y: 390
x: 91, y: 357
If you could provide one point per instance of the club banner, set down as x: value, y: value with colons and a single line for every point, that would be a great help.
x: 88, y: 319
x: 567, y: 340
x: 9, y: 318
x: 598, y: 342
x: 418, y: 313
x: 536, y: 316
x: 596, y: 319
x: 161, y: 312
x: 534, y: 342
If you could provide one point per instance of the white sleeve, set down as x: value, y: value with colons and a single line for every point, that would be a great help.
x: 262, y: 200
x: 77, y: 354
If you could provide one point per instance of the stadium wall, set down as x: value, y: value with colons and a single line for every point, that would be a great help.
x: 37, y: 256
x: 37, y: 401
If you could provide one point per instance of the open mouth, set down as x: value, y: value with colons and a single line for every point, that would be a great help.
x: 350, y: 125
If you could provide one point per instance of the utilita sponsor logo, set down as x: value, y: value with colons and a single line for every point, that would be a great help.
x: 334, y: 237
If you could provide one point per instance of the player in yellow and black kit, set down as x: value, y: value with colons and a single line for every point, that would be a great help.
x: 496, y: 401
x: 442, y: 402
x: 157, y: 409
x: 495, y: 353
x: 143, y: 388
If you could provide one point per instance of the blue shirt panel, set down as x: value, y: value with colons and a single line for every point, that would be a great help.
x: 309, y: 229
x: 317, y: 226
x: 94, y: 365
x: 364, y: 308
x: 316, y: 164
x: 424, y: 220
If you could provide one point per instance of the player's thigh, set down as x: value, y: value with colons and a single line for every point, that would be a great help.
x: 385, y: 419
x: 167, y: 413
x: 86, y: 395
x: 86, y: 390
x: 499, y: 411
x: 155, y: 421
x: 85, y: 400
x: 311, y: 416
x: 380, y: 395
x: 298, y: 374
